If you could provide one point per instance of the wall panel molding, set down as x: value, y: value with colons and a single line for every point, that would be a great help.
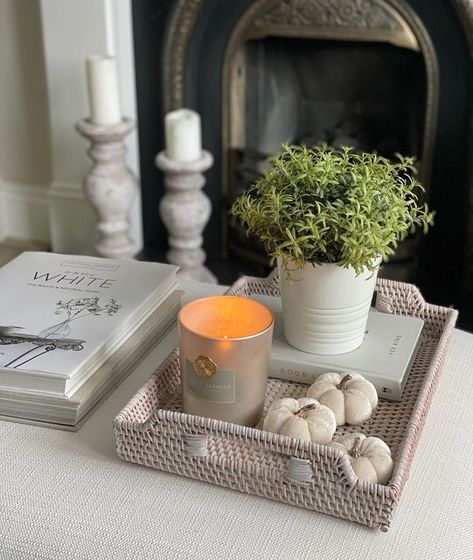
x: 24, y: 211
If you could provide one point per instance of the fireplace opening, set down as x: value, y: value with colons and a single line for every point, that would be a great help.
x: 370, y: 96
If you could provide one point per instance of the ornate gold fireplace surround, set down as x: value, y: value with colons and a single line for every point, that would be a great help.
x: 364, y: 21
x: 388, y: 21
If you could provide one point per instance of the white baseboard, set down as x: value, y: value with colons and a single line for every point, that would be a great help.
x: 58, y: 214
x: 72, y: 220
x: 24, y: 211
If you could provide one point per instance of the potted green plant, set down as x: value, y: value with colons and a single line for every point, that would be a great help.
x: 329, y: 216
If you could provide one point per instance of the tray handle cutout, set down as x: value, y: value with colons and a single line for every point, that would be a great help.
x: 299, y: 471
x: 195, y: 445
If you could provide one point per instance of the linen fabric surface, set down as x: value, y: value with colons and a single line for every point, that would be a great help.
x: 66, y: 495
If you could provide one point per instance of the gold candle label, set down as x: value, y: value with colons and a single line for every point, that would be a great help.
x: 217, y: 388
x: 205, y: 366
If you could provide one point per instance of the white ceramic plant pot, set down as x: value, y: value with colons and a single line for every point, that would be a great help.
x: 325, y: 307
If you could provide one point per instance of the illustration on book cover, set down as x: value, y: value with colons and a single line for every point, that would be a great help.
x: 58, y: 336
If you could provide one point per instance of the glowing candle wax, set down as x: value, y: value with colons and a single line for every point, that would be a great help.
x: 224, y: 347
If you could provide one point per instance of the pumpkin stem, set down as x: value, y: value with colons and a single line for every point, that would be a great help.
x: 345, y: 379
x: 355, y: 451
x: 305, y: 409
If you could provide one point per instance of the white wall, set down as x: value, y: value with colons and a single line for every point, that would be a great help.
x: 43, y: 46
x: 24, y: 123
x: 25, y: 160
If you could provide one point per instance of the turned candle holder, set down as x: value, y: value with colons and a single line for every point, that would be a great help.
x: 110, y: 186
x: 185, y: 210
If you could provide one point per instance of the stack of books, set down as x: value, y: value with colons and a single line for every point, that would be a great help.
x: 72, y: 327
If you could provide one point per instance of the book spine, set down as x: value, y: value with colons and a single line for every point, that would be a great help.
x: 301, y: 373
x: 292, y: 371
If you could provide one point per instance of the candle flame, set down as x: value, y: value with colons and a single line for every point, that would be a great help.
x: 225, y: 344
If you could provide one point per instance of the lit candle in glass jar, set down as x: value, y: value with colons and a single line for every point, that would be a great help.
x: 225, y: 348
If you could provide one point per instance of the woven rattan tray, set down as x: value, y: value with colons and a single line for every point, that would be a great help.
x: 152, y: 431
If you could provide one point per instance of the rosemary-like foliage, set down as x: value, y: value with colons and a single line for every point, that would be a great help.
x: 327, y: 205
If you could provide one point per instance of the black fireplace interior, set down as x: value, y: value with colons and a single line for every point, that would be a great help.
x: 366, y: 95
x: 371, y: 96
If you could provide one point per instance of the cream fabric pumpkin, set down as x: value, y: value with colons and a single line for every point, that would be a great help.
x: 370, y: 457
x: 301, y: 418
x: 350, y: 396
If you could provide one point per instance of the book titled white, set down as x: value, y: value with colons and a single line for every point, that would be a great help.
x: 61, y: 315
x: 385, y: 357
x: 62, y: 412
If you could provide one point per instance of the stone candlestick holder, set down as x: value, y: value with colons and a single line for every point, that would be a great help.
x: 110, y: 186
x: 185, y: 211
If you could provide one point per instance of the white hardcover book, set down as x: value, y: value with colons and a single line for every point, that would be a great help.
x: 385, y: 357
x: 61, y: 316
x: 66, y: 413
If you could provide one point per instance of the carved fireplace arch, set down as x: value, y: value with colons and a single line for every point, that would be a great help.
x: 389, y: 21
